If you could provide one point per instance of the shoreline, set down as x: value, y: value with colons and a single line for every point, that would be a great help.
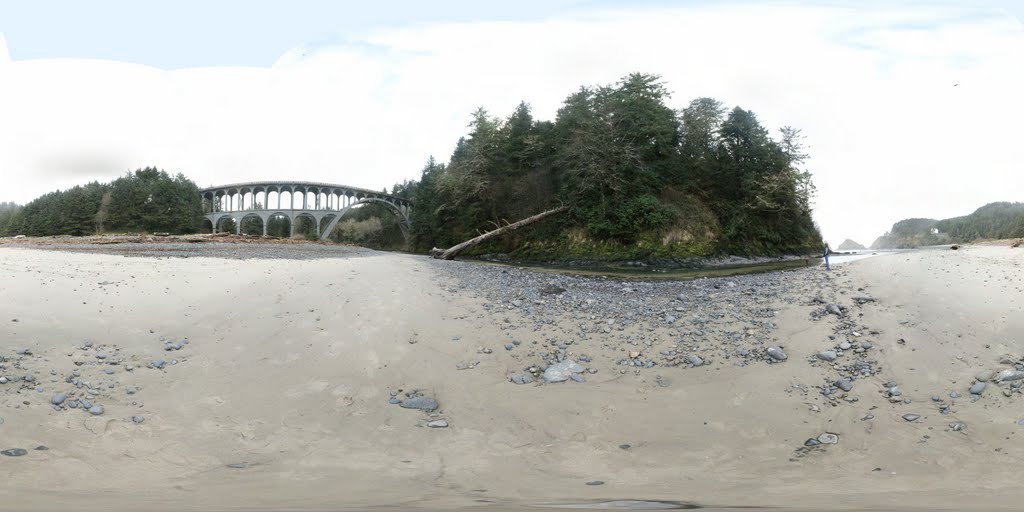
x: 282, y: 394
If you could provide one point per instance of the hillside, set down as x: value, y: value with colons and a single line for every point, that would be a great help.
x: 992, y: 221
x: 850, y: 245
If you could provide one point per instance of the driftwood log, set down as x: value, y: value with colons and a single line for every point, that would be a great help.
x: 451, y: 252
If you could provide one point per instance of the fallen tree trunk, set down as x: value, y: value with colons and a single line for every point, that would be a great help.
x: 451, y: 252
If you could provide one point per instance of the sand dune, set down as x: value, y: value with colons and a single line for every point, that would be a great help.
x: 280, y: 398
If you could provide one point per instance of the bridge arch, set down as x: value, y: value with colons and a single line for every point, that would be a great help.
x: 324, y: 203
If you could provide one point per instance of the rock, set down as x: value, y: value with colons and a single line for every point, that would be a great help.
x: 423, y: 403
x: 911, y: 417
x: 101, y: 355
x: 138, y: 419
x: 86, y: 404
x: 624, y: 446
x: 978, y: 388
x: 158, y: 364
x: 844, y: 384
x: 14, y: 452
x: 522, y: 378
x: 985, y: 375
x: 777, y: 354
x: 3, y: 380
x: 29, y: 378
x: 437, y: 424
x: 834, y: 309
x: 561, y: 372
x: 394, y: 401
x: 954, y: 394
x: 58, y: 398
x: 845, y: 345
x: 958, y: 426
x: 634, y: 354
x: 827, y: 355
x: 96, y: 410
x: 41, y: 448
x: 694, y: 360
x: 866, y: 345
x: 1009, y: 375
x: 828, y: 438
x: 239, y: 465
x: 595, y: 482
x: 812, y: 442
x: 509, y: 346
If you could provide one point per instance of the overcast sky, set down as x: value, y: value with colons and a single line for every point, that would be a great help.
x: 910, y: 109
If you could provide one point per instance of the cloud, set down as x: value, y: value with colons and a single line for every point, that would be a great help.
x: 873, y: 90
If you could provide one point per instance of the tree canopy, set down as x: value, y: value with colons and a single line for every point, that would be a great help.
x: 147, y: 200
x: 639, y: 177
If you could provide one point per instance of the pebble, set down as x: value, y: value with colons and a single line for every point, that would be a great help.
x: 827, y: 355
x: 29, y: 378
x: 958, y: 426
x: 978, y: 388
x: 985, y: 375
x: 394, y: 401
x: 911, y: 417
x: 14, y: 452
x: 812, y: 442
x: 138, y: 419
x: 523, y: 378
x: 954, y: 394
x: 595, y: 482
x: 694, y: 360
x: 101, y: 355
x: 86, y: 404
x: 624, y: 446
x: 845, y: 345
x: 828, y: 438
x: 58, y: 398
x: 561, y: 372
x: 96, y: 410
x: 844, y: 384
x: 509, y: 346
x: 423, y: 403
x: 437, y: 424
x: 777, y: 354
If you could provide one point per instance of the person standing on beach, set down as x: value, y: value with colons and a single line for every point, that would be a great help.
x: 827, y: 252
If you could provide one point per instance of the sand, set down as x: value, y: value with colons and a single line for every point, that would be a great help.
x: 290, y: 363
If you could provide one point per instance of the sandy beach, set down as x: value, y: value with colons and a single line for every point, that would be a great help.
x: 281, y: 397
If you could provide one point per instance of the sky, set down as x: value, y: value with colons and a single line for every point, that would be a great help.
x: 910, y: 109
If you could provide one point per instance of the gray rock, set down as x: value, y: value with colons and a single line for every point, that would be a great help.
x: 777, y: 354
x: 561, y: 372
x: 694, y: 360
x: 828, y: 438
x: 1009, y: 375
x: 954, y: 394
x: 844, y: 384
x: 138, y: 418
x: 14, y: 452
x: 911, y: 417
x: 509, y: 346
x: 158, y: 363
x: 958, y: 426
x: 936, y: 398
x: 41, y: 448
x: 58, y: 398
x: 812, y: 442
x: 72, y: 404
x: 595, y: 482
x: 437, y: 424
x: 239, y: 465
x: 845, y: 345
x: 96, y: 410
x: 834, y: 309
x: 394, y: 401
x: 29, y: 378
x: 827, y: 355
x: 866, y: 345
x: 101, y: 355
x: 985, y: 375
x: 523, y: 378
x: 978, y: 388
x: 577, y: 378
x: 624, y: 446
x: 86, y: 404
x: 422, y: 403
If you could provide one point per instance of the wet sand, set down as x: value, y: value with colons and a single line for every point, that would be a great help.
x: 291, y: 363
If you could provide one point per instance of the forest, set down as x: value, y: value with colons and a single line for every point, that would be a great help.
x: 998, y: 220
x: 146, y: 200
x: 641, y: 179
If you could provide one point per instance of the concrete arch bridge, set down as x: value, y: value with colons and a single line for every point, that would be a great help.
x: 324, y: 203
